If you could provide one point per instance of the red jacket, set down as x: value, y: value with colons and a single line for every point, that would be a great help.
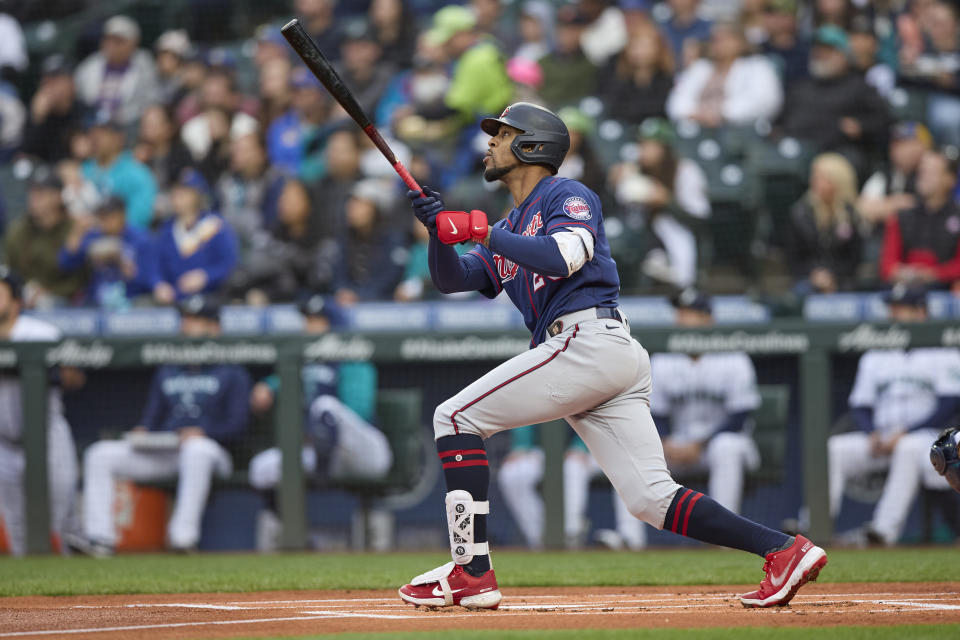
x: 918, y: 237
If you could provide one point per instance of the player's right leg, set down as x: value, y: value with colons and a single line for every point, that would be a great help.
x: 909, y: 466
x: 848, y: 457
x: 200, y: 459
x: 728, y: 457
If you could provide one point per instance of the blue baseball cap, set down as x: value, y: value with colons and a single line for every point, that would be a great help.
x: 908, y: 295
x: 193, y: 179
x: 323, y: 306
x: 302, y: 78
x: 692, y: 299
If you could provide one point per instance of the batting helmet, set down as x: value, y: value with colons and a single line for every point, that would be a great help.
x: 542, y: 133
x: 944, y: 457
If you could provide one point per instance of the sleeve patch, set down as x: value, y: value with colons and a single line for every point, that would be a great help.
x: 577, y: 208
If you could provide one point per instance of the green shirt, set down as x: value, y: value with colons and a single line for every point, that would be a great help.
x: 480, y: 85
x: 34, y: 254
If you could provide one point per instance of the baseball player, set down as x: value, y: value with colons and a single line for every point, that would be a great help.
x: 198, y: 406
x: 551, y: 256
x: 521, y: 472
x: 702, y: 406
x: 901, y: 400
x: 340, y: 443
x: 945, y: 456
x: 61, y: 453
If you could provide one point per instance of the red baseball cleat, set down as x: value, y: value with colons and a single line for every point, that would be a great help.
x: 787, y: 571
x: 450, y: 585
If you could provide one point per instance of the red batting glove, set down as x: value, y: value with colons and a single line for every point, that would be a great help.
x: 454, y: 227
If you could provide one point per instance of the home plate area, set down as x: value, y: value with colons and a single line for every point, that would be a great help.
x: 296, y: 613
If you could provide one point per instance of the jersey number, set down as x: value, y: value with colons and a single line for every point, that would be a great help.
x: 539, y: 281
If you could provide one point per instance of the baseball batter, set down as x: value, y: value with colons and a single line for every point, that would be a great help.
x: 901, y: 400
x: 702, y: 405
x: 61, y: 453
x: 551, y: 256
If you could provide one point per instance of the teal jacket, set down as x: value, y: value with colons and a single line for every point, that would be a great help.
x: 129, y: 180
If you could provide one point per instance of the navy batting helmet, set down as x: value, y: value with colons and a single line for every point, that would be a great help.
x: 944, y: 456
x: 544, y: 138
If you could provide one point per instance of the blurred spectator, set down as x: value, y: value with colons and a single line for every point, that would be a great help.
x: 835, y: 108
x: 224, y: 114
x: 198, y: 407
x: 248, y: 191
x: 730, y: 86
x: 340, y: 441
x: 536, y: 30
x: 32, y: 244
x: 824, y: 244
x: 115, y: 172
x: 276, y: 93
x: 395, y: 30
x: 479, y: 84
x: 785, y: 45
x: 288, y: 260
x: 864, y: 48
x: 494, y: 22
x: 295, y: 139
x: 330, y: 194
x: 372, y: 256
x: 838, y: 13
x: 160, y: 149
x: 636, y: 83
x: 54, y: 113
x: 80, y: 196
x: 568, y: 75
x: 317, y: 19
x: 120, y: 259
x: 361, y: 65
x: 271, y: 45
x: 894, y: 187
x: 13, y: 118
x: 663, y: 194
x: 685, y: 30
x: 416, y: 274
x: 13, y: 46
x: 119, y: 81
x: 752, y: 17
x: 605, y: 33
x: 193, y: 75
x: 581, y: 163
x: 923, y: 243
x: 936, y: 68
x: 196, y: 250
x: 527, y: 79
x: 172, y: 48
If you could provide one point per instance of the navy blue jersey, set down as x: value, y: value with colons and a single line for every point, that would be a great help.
x: 212, y: 397
x: 554, y: 205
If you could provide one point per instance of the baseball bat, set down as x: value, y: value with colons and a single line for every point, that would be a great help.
x: 318, y: 64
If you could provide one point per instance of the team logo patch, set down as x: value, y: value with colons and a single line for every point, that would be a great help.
x: 577, y: 208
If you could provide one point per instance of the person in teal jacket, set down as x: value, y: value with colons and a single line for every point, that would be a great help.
x: 115, y: 172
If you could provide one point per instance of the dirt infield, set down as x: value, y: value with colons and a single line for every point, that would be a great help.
x: 158, y: 617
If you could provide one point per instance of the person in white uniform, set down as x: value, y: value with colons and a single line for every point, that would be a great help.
x: 901, y: 400
x: 61, y: 453
x: 702, y: 405
x: 192, y: 415
x: 520, y: 474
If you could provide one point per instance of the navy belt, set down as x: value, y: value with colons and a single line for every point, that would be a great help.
x: 569, y: 319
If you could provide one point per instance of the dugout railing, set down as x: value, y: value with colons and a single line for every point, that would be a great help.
x: 813, y: 346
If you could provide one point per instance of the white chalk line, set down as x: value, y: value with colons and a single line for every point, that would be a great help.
x: 614, y: 604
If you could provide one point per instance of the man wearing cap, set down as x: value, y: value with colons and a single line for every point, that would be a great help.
x: 894, y: 187
x: 121, y: 260
x: 340, y: 440
x: 702, y: 404
x: 786, y: 47
x: 292, y: 137
x: 197, y: 249
x: 54, y: 113
x: 835, y: 109
x: 922, y: 243
x: 192, y: 416
x: 115, y: 172
x: 480, y: 83
x: 361, y: 65
x: 32, y: 244
x: 120, y: 80
x: 172, y: 48
x: 901, y: 400
x: 61, y: 453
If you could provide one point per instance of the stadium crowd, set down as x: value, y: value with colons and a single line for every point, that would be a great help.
x: 162, y: 169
